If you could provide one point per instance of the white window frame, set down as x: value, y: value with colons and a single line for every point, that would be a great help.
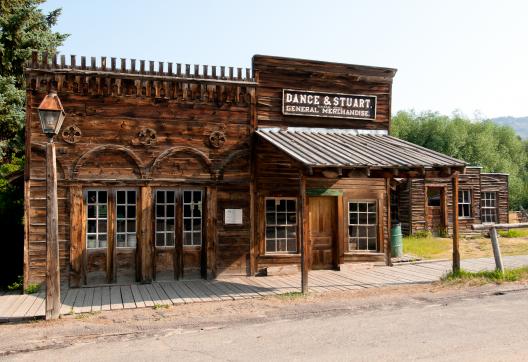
x: 485, y: 202
x: 192, y: 231
x: 157, y: 218
x: 461, y: 204
x: 276, y: 225
x: 128, y: 218
x: 98, y: 233
x: 359, y: 225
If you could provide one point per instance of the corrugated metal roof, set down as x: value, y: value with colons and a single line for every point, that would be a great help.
x: 322, y: 147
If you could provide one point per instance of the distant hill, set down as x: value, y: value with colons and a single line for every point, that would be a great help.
x: 519, y: 124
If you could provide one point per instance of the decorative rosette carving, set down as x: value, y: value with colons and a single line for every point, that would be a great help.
x: 71, y: 134
x: 217, y: 139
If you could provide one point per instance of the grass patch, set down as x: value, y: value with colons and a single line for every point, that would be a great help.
x: 291, y: 296
x: 32, y: 289
x: 483, y: 277
x: 160, y: 306
x: 19, y: 285
x: 427, y: 247
x: 514, y: 233
x: 86, y: 315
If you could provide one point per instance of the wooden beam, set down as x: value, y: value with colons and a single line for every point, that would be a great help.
x: 211, y: 233
x: 496, y: 249
x: 76, y: 236
x: 53, y: 304
x: 303, y: 222
x: 178, y: 237
x: 111, y: 250
x: 456, y: 251
x: 145, y: 251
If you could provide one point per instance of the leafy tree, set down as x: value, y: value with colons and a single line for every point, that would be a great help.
x: 494, y: 147
x: 23, y: 28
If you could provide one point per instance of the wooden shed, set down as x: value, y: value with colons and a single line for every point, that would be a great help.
x: 171, y: 171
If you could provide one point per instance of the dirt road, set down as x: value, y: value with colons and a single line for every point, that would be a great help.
x: 418, y: 322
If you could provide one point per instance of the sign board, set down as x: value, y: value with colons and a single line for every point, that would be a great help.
x: 332, y: 105
x: 233, y: 216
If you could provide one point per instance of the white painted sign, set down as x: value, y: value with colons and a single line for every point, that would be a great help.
x: 233, y: 216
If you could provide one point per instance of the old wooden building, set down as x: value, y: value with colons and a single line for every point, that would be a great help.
x: 169, y: 171
x: 425, y: 204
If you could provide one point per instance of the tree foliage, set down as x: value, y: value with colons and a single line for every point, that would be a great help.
x: 494, y: 147
x: 23, y: 28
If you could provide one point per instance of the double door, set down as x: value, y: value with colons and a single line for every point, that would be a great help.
x: 114, y: 238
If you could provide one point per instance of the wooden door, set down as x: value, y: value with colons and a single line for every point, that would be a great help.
x: 323, y: 231
x: 435, y: 209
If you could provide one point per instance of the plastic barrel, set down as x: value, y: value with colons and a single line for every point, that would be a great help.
x: 396, y: 241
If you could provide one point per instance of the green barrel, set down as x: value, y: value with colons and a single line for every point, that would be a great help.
x: 396, y: 241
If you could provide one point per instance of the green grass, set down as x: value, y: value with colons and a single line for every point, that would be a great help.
x: 291, y: 295
x: 514, y: 233
x: 509, y: 275
x: 160, y: 306
x: 427, y: 247
x: 19, y: 284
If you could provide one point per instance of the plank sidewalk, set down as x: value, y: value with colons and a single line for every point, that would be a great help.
x: 16, y: 307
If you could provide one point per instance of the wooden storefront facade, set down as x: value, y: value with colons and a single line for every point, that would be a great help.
x: 168, y: 171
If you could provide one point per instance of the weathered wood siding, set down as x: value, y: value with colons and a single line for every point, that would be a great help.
x: 274, y: 74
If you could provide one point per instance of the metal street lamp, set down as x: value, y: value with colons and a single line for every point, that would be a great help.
x: 51, y: 114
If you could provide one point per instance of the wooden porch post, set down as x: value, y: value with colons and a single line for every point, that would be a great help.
x: 53, y: 304
x: 388, y: 251
x: 303, y: 222
x: 456, y: 252
x: 145, y: 251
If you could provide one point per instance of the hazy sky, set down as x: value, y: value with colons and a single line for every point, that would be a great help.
x: 464, y: 55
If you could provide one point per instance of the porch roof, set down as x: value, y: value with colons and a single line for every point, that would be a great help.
x: 323, y: 147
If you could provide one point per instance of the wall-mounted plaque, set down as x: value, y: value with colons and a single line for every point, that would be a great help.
x: 233, y: 216
x: 333, y: 105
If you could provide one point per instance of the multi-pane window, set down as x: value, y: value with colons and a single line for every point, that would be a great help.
x: 489, y: 207
x: 192, y: 218
x: 126, y: 218
x: 165, y: 211
x: 97, y: 217
x: 362, y: 225
x: 464, y: 203
x: 281, y: 225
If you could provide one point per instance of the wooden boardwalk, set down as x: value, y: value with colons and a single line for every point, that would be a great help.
x: 15, y: 307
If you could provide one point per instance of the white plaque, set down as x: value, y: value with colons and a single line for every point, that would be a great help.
x: 233, y: 216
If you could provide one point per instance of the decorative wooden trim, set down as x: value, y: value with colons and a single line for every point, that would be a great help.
x: 77, y: 247
x: 88, y: 154
x: 178, y: 149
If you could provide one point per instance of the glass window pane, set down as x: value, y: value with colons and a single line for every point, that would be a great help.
x: 131, y: 240
x: 170, y: 196
x: 290, y: 205
x: 187, y: 224
x: 292, y: 245
x: 352, y: 231
x: 187, y: 238
x: 170, y: 225
x: 121, y: 197
x: 90, y: 241
x: 270, y: 232
x: 197, y: 224
x: 187, y: 196
x: 169, y: 239
x: 270, y: 205
x: 160, y: 239
x: 102, y: 211
x: 281, y: 232
x: 187, y: 211
x: 197, y: 196
x: 131, y: 212
x: 371, y: 230
x: 92, y: 226
x: 92, y: 197
x: 352, y: 207
x: 281, y: 206
x: 362, y: 244
x: 131, y: 197
x: 371, y: 218
x: 197, y: 211
x: 362, y: 207
x: 160, y: 211
x: 120, y: 239
x: 371, y: 207
x: 197, y: 238
x: 372, y: 244
x: 362, y: 231
x: 362, y: 218
x: 292, y: 218
x: 91, y: 211
x: 281, y: 218
x: 103, y: 198
x: 270, y: 218
x: 131, y: 226
x: 281, y: 245
x: 102, y: 226
x: 160, y: 225
x: 353, y: 218
x: 352, y: 244
x: 291, y: 232
x: 160, y: 196
x: 170, y: 210
x: 102, y: 240
x: 121, y: 226
x: 270, y: 246
x: 121, y: 212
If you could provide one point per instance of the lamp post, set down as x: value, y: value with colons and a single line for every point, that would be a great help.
x: 51, y: 115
